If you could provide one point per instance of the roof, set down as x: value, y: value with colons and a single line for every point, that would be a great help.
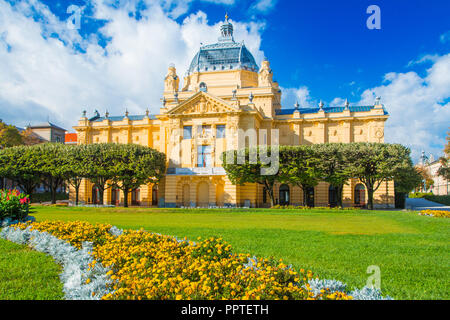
x: 46, y: 125
x: 70, y: 138
x: 226, y: 54
x: 326, y: 110
x: 120, y: 118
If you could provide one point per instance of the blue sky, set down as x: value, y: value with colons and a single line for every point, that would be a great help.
x: 319, y: 50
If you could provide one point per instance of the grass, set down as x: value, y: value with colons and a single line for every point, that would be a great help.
x: 27, y: 274
x: 412, y: 251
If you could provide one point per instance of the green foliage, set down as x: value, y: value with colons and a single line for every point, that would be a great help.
x: 250, y: 171
x: 21, y: 164
x: 375, y: 163
x: 134, y: 165
x: 419, y: 194
x: 444, y: 199
x: 14, y: 204
x: 9, y: 136
x: 47, y: 196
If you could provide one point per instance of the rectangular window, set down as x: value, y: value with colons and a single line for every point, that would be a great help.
x: 187, y: 132
x: 204, y: 156
x: 220, y: 131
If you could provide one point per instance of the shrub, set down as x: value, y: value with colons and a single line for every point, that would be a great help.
x: 419, y: 194
x: 14, y: 205
x: 47, y: 196
x: 439, y: 199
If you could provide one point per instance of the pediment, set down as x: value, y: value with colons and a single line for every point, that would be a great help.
x: 202, y: 103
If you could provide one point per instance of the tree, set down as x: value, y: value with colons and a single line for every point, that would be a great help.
x: 375, y: 163
x: 20, y: 164
x: 99, y: 165
x: 299, y: 165
x: 258, y: 171
x: 333, y: 165
x: 29, y: 138
x: 9, y: 136
x: 134, y: 165
x: 76, y: 168
x: 444, y: 169
x: 52, y: 164
x: 425, y: 174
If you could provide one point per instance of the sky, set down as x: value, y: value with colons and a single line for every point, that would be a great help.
x: 58, y: 58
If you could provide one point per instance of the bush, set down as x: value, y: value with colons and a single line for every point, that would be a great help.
x: 419, y: 194
x: 14, y: 205
x: 47, y: 196
x: 439, y: 199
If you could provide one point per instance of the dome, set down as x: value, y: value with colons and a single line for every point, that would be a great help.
x: 226, y: 54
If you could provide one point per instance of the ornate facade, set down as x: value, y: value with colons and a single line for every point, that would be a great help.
x: 224, y: 91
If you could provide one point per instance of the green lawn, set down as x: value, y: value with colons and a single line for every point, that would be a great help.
x: 27, y: 275
x: 412, y: 251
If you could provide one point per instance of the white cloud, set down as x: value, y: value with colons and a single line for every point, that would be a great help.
x: 264, y: 6
x: 301, y: 95
x: 419, y: 107
x: 44, y: 76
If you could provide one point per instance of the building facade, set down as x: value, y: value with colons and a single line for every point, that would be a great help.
x: 225, y: 92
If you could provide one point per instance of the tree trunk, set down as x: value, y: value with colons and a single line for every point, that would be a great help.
x: 77, y: 191
x: 125, y: 197
x: 53, y: 187
x: 340, y: 190
x: 370, y: 197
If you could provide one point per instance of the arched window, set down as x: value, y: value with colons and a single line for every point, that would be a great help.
x: 135, y: 197
x: 115, y: 196
x: 332, y: 196
x: 203, y: 87
x: 284, y: 195
x: 360, y: 194
x: 95, y: 195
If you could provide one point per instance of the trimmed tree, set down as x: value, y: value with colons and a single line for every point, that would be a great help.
x: 375, y: 163
x: 53, y: 165
x: 76, y: 168
x: 300, y: 166
x: 20, y: 164
x: 333, y: 165
x: 99, y: 165
x: 134, y: 165
x: 246, y: 171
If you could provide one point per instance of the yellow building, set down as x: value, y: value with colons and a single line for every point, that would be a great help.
x: 225, y: 93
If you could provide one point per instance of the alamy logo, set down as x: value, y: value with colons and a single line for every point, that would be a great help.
x: 374, y: 20
x: 74, y: 21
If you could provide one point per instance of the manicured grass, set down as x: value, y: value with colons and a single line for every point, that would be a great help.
x: 27, y: 275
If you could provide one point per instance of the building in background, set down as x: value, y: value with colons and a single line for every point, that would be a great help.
x: 441, y: 186
x: 48, y: 132
x: 224, y: 90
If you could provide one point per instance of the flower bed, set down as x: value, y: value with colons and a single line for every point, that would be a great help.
x: 435, y: 213
x: 145, y: 265
x: 309, y: 208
